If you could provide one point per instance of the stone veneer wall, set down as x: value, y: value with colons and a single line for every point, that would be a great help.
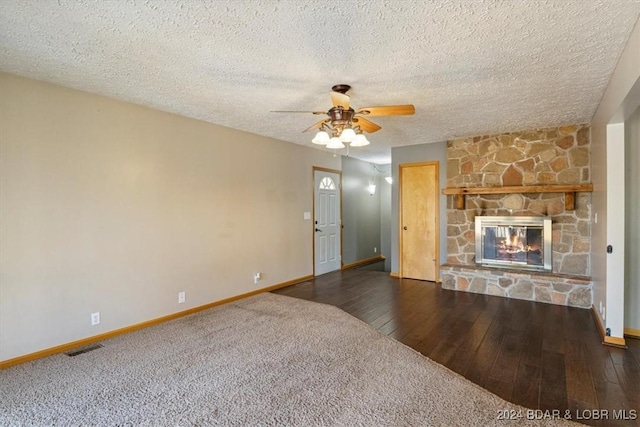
x: 545, y: 156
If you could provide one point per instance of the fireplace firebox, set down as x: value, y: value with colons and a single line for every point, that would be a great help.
x: 521, y: 242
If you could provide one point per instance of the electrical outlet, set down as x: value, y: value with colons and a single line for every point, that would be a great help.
x: 181, y: 297
x: 375, y: 250
x: 257, y: 277
x: 95, y: 318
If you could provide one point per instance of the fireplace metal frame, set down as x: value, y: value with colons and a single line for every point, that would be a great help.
x: 522, y: 221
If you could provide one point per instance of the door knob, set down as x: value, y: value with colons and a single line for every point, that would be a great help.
x: 404, y: 228
x: 317, y: 229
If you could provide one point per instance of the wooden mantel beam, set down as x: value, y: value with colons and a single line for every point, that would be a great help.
x: 568, y: 190
x: 523, y: 189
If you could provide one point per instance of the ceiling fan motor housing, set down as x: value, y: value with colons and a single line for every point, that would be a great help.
x: 339, y: 115
x: 340, y: 118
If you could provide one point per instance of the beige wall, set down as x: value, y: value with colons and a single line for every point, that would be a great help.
x: 617, y: 103
x: 632, y: 225
x: 111, y: 207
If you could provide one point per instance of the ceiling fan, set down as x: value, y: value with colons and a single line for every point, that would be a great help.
x: 346, y: 125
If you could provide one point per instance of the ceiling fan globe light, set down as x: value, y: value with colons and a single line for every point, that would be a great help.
x: 347, y: 135
x: 359, y: 141
x: 335, y: 143
x: 321, y: 138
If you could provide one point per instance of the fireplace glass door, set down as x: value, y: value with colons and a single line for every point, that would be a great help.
x: 515, y: 242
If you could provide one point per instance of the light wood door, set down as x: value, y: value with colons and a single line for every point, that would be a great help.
x: 419, y: 221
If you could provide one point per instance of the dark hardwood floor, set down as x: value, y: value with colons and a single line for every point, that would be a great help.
x: 540, y: 356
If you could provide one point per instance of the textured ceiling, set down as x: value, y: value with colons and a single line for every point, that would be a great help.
x: 469, y: 67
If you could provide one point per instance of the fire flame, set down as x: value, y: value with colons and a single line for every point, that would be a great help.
x: 514, y: 245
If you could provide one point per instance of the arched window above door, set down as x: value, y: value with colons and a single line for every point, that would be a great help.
x: 327, y: 184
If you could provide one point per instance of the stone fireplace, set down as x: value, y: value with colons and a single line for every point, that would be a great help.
x: 543, y: 158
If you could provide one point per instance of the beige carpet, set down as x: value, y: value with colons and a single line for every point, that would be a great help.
x: 265, y: 360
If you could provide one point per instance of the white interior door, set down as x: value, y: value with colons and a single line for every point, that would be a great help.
x: 327, y: 222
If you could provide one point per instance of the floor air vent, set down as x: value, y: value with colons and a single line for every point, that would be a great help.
x: 85, y: 349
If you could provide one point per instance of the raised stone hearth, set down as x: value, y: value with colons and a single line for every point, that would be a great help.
x: 543, y: 287
x: 550, y: 156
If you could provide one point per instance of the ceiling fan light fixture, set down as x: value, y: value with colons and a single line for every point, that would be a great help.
x: 335, y: 143
x: 344, y: 124
x: 321, y: 138
x: 359, y: 141
x: 347, y: 135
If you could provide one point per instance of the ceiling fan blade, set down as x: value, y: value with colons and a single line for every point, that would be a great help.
x: 340, y: 99
x: 316, y: 125
x: 312, y: 112
x: 388, y: 110
x: 366, y: 125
